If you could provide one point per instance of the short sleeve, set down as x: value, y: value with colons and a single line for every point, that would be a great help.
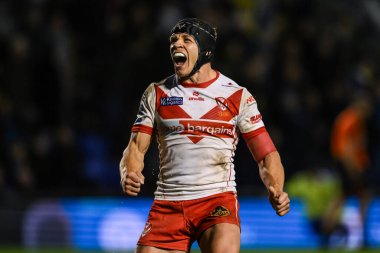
x: 146, y: 114
x: 250, y: 120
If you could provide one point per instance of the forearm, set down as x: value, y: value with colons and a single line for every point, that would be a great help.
x: 133, y: 159
x: 132, y: 163
x: 272, y: 172
x: 273, y: 176
x: 133, y: 155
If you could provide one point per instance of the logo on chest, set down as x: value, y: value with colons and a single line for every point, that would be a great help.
x: 166, y: 101
x: 222, y: 103
x: 196, y: 97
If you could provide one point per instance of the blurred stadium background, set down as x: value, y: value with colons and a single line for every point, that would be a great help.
x: 71, y: 76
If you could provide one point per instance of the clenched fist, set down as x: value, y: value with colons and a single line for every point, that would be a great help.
x: 131, y: 182
x: 280, y: 201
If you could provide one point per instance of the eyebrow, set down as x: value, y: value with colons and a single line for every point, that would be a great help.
x: 186, y: 36
x: 175, y: 36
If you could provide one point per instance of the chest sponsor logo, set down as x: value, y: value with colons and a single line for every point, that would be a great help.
x: 167, y: 101
x: 220, y: 211
x: 196, y: 97
x: 202, y: 128
x: 207, y: 128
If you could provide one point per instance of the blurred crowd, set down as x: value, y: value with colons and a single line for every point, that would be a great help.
x: 72, y: 74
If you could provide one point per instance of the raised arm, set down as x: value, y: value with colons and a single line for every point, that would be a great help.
x: 132, y: 163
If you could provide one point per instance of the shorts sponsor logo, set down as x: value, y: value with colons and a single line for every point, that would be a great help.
x: 220, y: 211
x: 167, y: 101
x: 147, y: 229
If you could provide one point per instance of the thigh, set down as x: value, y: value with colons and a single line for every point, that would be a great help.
x: 216, y: 209
x: 220, y: 238
x: 166, y: 229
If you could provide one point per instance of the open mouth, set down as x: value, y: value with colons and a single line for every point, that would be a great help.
x: 179, y: 59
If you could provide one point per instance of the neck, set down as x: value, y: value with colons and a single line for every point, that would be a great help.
x: 204, y: 74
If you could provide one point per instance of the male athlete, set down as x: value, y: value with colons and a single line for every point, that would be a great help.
x: 197, y: 115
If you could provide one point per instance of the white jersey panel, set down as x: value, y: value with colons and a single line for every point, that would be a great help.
x: 146, y: 113
x: 249, y: 118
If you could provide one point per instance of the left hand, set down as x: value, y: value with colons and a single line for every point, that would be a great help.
x: 279, y: 200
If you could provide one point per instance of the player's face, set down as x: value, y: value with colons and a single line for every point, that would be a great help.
x: 184, y: 53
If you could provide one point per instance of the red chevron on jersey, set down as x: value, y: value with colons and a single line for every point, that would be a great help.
x: 195, y: 139
x: 226, y: 109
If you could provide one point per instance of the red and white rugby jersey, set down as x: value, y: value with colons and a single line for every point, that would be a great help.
x: 197, y: 128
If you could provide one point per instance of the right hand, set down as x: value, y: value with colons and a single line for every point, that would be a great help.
x: 279, y: 200
x: 131, y: 182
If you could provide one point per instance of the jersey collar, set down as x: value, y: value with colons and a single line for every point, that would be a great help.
x: 201, y: 85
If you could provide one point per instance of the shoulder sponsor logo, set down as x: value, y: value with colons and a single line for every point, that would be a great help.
x: 147, y: 229
x: 167, y: 101
x: 250, y: 100
x: 256, y: 118
x: 220, y: 211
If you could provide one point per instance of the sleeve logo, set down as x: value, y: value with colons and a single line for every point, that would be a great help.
x: 250, y: 100
x: 256, y: 118
x: 167, y: 101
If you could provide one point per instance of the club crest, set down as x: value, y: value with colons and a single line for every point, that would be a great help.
x: 147, y: 229
x: 220, y: 211
x: 222, y: 103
